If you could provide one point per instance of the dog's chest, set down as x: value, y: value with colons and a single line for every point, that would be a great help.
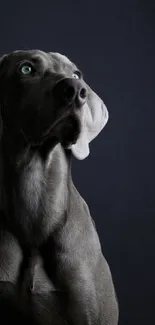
x: 31, y: 188
x: 29, y: 209
x: 39, y: 198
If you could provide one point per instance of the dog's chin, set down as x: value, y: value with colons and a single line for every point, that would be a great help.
x: 67, y: 131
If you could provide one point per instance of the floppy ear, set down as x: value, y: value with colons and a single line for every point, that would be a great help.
x: 1, y: 122
x: 93, y: 116
x: 1, y: 125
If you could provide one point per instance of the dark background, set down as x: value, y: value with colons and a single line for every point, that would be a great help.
x: 113, y: 42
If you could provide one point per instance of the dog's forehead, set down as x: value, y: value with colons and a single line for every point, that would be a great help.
x: 49, y: 60
x: 31, y: 54
x: 57, y: 62
x: 60, y: 62
x: 61, y: 59
x: 15, y: 57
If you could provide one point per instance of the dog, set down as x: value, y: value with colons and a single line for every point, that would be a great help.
x: 52, y: 270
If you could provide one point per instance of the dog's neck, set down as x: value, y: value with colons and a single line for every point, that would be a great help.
x: 38, y: 180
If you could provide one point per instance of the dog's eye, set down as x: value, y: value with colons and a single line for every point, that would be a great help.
x: 76, y: 75
x: 26, y: 69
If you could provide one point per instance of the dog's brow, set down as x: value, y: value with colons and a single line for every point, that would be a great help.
x: 41, y: 57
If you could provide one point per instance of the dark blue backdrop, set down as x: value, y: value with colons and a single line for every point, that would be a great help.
x: 113, y: 43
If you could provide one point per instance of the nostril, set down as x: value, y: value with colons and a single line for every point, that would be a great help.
x: 83, y: 93
x: 69, y: 92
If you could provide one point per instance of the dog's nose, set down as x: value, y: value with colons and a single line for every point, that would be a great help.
x: 70, y: 91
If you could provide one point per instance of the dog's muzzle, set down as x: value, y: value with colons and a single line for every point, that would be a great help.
x: 70, y: 91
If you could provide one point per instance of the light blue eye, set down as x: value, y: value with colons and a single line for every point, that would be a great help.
x: 26, y: 69
x: 76, y: 75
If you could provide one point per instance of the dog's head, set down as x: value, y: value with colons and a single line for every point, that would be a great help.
x: 43, y: 95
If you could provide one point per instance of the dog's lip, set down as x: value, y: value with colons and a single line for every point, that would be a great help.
x: 54, y: 125
x: 69, y: 110
x: 52, y: 129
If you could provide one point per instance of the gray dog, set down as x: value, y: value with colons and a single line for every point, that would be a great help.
x: 52, y: 270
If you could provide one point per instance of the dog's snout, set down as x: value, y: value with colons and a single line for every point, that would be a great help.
x: 74, y: 91
x: 70, y: 91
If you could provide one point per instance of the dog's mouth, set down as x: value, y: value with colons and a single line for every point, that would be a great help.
x: 65, y: 129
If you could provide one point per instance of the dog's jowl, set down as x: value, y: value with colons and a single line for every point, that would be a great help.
x: 52, y: 270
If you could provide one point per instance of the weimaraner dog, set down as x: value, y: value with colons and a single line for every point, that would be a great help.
x: 52, y: 270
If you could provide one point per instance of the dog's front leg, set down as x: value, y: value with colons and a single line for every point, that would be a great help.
x: 11, y: 308
x: 76, y: 281
x: 83, y: 308
x: 90, y: 296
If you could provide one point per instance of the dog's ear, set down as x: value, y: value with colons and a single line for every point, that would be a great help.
x: 93, y: 116
x: 2, y: 59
